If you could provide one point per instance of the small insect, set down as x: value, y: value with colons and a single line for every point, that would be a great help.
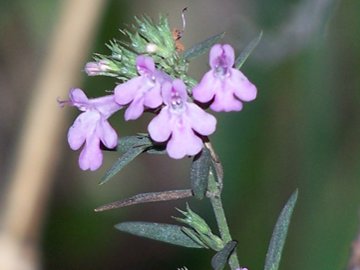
x: 182, y: 268
x: 178, y: 33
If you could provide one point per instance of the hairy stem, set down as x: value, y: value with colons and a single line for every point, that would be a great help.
x: 215, y: 188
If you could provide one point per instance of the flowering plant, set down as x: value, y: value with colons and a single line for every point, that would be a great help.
x: 152, y: 69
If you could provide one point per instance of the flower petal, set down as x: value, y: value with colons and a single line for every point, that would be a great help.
x: 180, y: 88
x: 228, y: 55
x: 241, y: 86
x: 166, y: 88
x: 84, y: 125
x: 221, y: 55
x: 160, y: 126
x: 106, y: 105
x: 135, y: 109
x: 77, y: 95
x: 207, y: 88
x: 226, y: 101
x: 107, y: 134
x: 152, y: 98
x: 214, y: 55
x: 78, y: 99
x: 125, y: 93
x: 183, y: 142
x: 91, y: 156
x: 200, y: 121
x: 173, y: 91
x: 145, y: 64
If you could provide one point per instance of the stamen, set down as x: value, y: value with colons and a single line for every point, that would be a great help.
x: 62, y: 103
x: 183, y: 19
x: 176, y: 101
x: 221, y: 71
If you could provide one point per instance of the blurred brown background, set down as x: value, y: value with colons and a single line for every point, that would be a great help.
x: 302, y: 132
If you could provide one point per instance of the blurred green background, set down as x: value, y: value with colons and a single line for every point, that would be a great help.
x: 302, y: 132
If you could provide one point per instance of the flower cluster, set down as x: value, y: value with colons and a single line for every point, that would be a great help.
x: 156, y: 81
x: 180, y: 122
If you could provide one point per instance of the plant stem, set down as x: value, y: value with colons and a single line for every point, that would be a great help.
x: 215, y: 188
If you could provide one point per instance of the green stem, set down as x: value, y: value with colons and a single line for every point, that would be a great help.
x: 215, y: 188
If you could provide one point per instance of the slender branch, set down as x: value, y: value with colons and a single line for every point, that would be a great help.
x: 221, y: 220
x: 217, y: 165
x: 215, y: 187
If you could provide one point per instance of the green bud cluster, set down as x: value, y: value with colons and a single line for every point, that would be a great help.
x: 199, y: 230
x: 145, y: 37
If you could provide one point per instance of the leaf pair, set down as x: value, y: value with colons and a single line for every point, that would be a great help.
x: 174, y: 234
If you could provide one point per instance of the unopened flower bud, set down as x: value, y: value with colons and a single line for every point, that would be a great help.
x: 96, y: 68
x: 195, y: 221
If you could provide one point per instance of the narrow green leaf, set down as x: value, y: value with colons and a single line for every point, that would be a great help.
x: 161, y: 196
x: 221, y: 258
x: 127, y: 142
x: 143, y: 139
x: 194, y: 236
x: 247, y: 51
x: 157, y: 149
x: 167, y: 233
x: 279, y: 234
x: 124, y: 160
x: 202, y: 47
x: 199, y: 173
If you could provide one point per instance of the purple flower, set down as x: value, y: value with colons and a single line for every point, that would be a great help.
x: 91, y: 127
x: 181, y: 121
x: 229, y: 85
x: 142, y: 91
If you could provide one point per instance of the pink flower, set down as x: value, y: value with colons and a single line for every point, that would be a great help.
x: 228, y: 85
x: 91, y: 127
x: 142, y: 91
x: 181, y: 121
